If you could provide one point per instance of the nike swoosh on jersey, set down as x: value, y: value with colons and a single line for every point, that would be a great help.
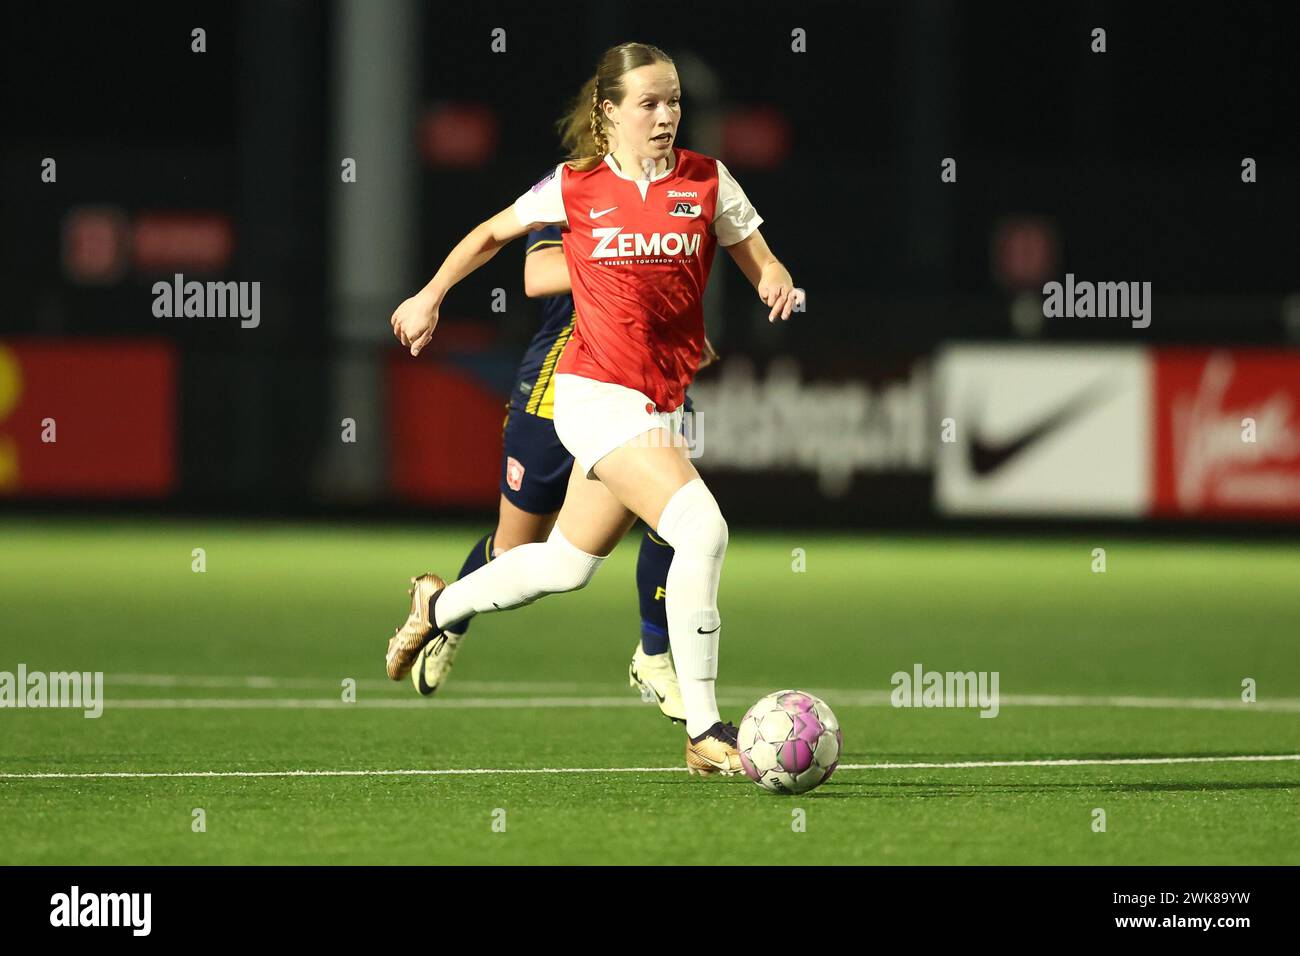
x: 597, y: 215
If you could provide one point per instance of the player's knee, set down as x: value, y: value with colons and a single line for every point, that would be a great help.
x: 692, y: 522
x: 568, y: 568
x: 711, y: 535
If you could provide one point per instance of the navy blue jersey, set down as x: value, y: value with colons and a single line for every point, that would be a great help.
x: 534, y: 390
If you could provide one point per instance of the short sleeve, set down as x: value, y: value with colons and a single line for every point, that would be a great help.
x: 544, y: 203
x: 734, y: 218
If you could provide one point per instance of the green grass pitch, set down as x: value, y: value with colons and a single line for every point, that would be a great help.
x: 1128, y: 664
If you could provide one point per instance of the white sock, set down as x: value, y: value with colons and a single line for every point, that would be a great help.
x: 518, y: 577
x: 692, y: 523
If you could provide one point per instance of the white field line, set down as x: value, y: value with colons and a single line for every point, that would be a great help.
x: 392, y: 703
x: 467, y: 772
x: 550, y: 703
x: 1282, y: 704
x: 569, y: 694
x: 238, y: 682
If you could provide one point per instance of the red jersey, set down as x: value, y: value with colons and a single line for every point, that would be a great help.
x: 639, y: 253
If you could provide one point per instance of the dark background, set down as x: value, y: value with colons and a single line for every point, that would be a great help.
x: 1132, y: 158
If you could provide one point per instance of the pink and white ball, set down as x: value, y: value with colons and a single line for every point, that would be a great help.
x: 790, y: 742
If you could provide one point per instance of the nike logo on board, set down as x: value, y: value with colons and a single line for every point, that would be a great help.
x: 987, y: 457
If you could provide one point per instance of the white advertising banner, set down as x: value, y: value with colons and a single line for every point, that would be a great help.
x: 1035, y: 430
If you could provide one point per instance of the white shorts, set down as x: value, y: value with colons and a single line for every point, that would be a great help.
x: 593, y: 418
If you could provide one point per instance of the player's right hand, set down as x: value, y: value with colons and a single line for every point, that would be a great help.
x: 414, y: 321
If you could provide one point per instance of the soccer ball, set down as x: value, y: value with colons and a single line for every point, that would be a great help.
x: 790, y: 742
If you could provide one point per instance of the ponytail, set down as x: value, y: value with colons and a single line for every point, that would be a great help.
x: 583, y: 129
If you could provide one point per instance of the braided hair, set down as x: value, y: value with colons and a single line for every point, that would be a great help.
x: 583, y: 128
x: 598, y: 135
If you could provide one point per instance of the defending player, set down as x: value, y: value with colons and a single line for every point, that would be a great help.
x: 643, y: 219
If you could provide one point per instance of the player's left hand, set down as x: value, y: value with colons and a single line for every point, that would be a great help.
x: 777, y: 290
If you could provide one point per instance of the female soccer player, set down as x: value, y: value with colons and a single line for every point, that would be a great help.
x: 535, y: 465
x: 535, y: 471
x: 642, y: 219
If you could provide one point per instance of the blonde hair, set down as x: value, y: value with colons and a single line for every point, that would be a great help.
x: 583, y: 129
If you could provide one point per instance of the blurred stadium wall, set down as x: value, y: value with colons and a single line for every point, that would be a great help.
x: 924, y: 385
